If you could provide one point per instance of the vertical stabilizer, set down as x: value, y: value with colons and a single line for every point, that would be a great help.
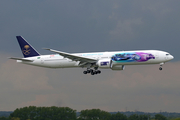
x: 26, y: 48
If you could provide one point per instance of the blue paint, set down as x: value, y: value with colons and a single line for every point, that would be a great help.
x: 27, y: 49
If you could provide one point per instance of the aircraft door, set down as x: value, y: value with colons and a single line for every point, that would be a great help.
x: 42, y: 61
x: 157, y: 55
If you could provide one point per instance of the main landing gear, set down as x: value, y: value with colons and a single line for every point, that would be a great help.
x: 161, y: 64
x: 92, y: 72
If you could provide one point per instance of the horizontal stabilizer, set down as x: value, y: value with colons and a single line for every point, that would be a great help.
x: 26, y: 60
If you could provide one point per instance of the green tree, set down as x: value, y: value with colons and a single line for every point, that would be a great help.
x: 94, y: 114
x: 144, y: 117
x: 160, y: 117
x: 139, y: 117
x: 176, y: 119
x: 133, y: 117
x: 15, y: 118
x: 44, y: 113
x: 4, y: 118
x: 118, y: 116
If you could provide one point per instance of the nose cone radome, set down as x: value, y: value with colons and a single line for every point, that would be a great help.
x: 171, y: 57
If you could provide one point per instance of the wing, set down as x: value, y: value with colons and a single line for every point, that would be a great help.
x: 26, y: 60
x: 83, y: 60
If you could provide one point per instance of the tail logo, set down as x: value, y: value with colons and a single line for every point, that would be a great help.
x: 26, y: 50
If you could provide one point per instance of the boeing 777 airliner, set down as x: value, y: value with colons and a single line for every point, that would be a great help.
x: 115, y: 60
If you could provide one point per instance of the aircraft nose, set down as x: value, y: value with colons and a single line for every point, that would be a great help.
x: 171, y: 57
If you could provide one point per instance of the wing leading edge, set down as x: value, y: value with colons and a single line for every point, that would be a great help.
x: 83, y: 60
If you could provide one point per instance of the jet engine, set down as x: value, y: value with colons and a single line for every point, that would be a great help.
x: 108, y: 63
x: 104, y: 63
x: 117, y: 67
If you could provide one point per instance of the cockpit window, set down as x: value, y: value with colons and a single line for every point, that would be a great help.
x: 167, y: 54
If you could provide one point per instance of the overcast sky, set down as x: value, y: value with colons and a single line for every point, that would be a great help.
x: 90, y: 26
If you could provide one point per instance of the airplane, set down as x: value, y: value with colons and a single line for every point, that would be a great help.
x: 115, y: 60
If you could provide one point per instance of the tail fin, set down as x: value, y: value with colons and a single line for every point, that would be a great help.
x: 27, y: 49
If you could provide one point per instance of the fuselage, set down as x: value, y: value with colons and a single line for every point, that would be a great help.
x: 115, y: 60
x: 139, y: 57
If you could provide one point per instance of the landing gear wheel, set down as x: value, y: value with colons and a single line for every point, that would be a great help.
x: 92, y: 73
x: 85, y: 72
x: 88, y: 71
x: 98, y: 71
x: 161, y: 64
x: 91, y: 70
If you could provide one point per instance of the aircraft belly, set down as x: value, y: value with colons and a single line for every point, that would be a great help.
x: 138, y: 63
x: 59, y: 63
x: 62, y: 63
x: 68, y: 64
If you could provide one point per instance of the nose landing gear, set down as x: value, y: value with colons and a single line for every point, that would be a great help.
x: 161, y: 64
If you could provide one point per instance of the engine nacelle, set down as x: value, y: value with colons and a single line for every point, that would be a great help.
x: 117, y: 67
x: 104, y: 63
x: 108, y: 63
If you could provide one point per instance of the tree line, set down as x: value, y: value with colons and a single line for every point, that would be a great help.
x: 66, y: 113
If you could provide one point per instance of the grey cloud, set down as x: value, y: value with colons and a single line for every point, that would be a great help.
x: 119, y: 25
x: 137, y: 87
